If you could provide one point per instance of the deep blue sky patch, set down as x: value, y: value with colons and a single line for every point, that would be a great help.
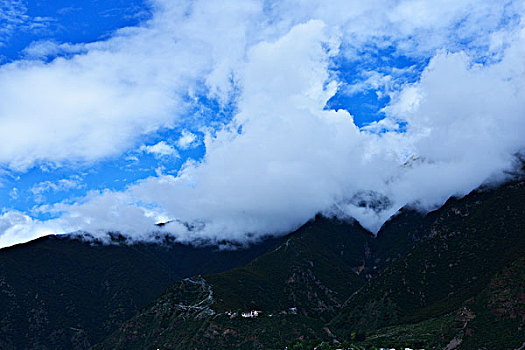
x: 72, y: 22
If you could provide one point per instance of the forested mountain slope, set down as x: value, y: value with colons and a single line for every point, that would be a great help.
x: 61, y: 292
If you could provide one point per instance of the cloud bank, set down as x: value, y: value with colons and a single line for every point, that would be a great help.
x: 283, y: 156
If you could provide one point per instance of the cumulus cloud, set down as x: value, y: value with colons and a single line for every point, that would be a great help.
x: 293, y: 158
x: 99, y: 102
x: 187, y: 140
x: 160, y: 149
x: 283, y: 157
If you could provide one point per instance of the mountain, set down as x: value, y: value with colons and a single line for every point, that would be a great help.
x: 63, y: 292
x: 460, y: 249
x: 298, y: 286
x: 450, y: 279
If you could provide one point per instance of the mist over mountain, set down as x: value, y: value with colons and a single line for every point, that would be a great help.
x: 451, y: 279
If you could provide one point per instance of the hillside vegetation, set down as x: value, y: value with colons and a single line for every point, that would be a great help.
x: 60, y: 292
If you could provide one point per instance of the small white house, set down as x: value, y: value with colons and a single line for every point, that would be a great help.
x: 251, y: 314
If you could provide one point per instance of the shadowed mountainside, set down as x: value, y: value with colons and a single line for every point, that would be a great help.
x: 60, y: 292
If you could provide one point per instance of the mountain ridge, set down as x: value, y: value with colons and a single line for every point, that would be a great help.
x: 298, y: 287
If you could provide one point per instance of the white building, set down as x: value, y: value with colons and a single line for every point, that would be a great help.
x: 251, y: 314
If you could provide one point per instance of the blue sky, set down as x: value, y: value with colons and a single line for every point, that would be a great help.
x: 69, y: 21
x: 249, y: 117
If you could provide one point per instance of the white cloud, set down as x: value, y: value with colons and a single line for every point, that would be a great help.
x: 187, y: 140
x: 161, y: 149
x: 98, y: 103
x: 59, y: 185
x: 17, y: 227
x: 13, y: 194
x: 39, y: 189
x: 48, y: 48
x: 14, y: 17
x: 283, y: 157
